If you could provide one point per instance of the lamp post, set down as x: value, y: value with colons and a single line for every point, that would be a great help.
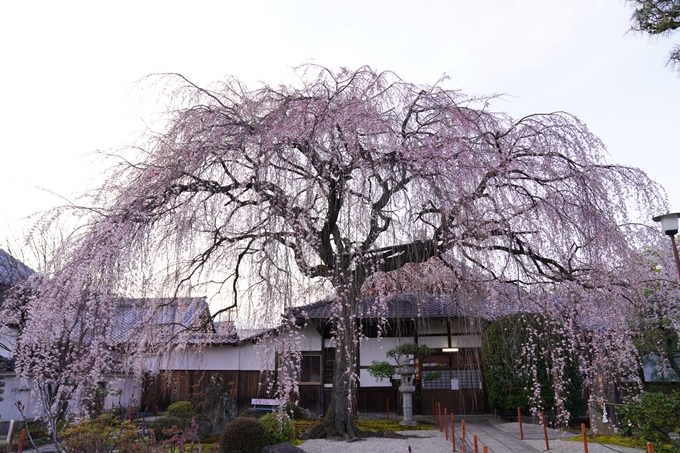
x: 669, y: 225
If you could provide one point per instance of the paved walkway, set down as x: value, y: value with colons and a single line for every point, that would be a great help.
x: 487, y: 435
x: 502, y: 437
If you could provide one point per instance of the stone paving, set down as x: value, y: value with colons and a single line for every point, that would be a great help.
x: 496, y: 440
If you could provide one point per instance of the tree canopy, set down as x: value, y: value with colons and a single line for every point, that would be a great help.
x: 658, y: 17
x: 520, y: 371
x: 264, y: 194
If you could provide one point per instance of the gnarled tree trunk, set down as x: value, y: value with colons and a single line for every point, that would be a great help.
x: 338, y: 421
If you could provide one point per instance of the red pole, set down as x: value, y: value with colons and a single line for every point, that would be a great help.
x: 453, y: 433
x: 132, y: 414
x: 650, y: 447
x: 485, y: 449
x: 545, y: 431
x: 388, y: 408
x: 462, y: 438
x: 519, y: 419
x: 446, y: 424
x: 21, y: 440
x: 474, y: 441
x: 439, y: 416
x: 585, y: 439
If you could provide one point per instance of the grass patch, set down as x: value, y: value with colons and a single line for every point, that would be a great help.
x: 631, y: 441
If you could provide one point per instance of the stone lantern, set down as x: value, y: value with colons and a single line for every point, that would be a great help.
x: 406, y: 372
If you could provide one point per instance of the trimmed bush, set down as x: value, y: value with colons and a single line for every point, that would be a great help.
x: 252, y: 413
x: 655, y: 414
x: 162, y: 423
x: 280, y: 427
x: 181, y: 409
x: 100, y: 435
x: 244, y: 435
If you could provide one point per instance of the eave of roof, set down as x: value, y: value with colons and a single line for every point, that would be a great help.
x: 407, y: 306
x: 12, y: 271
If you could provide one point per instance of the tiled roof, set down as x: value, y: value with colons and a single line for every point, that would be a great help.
x: 171, y: 315
x: 410, y: 306
x: 12, y: 271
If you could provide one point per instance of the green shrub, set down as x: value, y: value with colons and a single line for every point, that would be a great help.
x: 508, y: 385
x: 199, y: 408
x: 162, y: 423
x: 99, y: 436
x: 293, y: 411
x: 382, y: 370
x: 117, y: 412
x: 252, y: 413
x: 244, y: 435
x: 655, y: 414
x: 280, y: 427
x: 181, y: 409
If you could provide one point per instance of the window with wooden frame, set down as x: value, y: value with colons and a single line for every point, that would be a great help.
x: 310, y: 369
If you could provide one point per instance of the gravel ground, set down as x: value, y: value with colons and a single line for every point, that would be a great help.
x: 434, y: 442
x: 419, y: 441
x: 577, y: 447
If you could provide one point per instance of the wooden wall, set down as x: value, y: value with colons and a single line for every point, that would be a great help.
x: 167, y: 388
x: 375, y: 400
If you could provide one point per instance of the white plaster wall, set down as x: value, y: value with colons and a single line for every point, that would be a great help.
x: 225, y: 357
x: 437, y: 342
x: 249, y: 356
x: 15, y: 391
x: 432, y: 327
x: 131, y: 391
x: 373, y: 349
x: 366, y: 380
x: 655, y: 369
x: 311, y: 340
x: 127, y: 391
x: 457, y: 341
x: 7, y: 342
x: 466, y: 341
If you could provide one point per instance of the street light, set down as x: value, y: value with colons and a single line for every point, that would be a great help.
x: 669, y: 224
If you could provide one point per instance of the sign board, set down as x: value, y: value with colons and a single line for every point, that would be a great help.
x: 264, y: 402
x: 455, y: 385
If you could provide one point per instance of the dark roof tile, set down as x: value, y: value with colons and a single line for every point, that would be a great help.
x: 410, y: 306
x: 12, y: 271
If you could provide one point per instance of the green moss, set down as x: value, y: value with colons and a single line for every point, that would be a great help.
x: 372, y: 426
x: 631, y: 441
x: 389, y: 425
x: 302, y: 426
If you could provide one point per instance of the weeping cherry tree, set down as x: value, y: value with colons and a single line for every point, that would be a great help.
x: 264, y: 193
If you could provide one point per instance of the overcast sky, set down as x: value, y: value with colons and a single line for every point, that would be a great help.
x: 68, y: 70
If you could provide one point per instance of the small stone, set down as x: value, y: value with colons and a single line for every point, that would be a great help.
x: 284, y: 447
x: 219, y: 407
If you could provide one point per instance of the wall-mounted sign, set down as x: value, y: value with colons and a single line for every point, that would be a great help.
x: 455, y: 385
